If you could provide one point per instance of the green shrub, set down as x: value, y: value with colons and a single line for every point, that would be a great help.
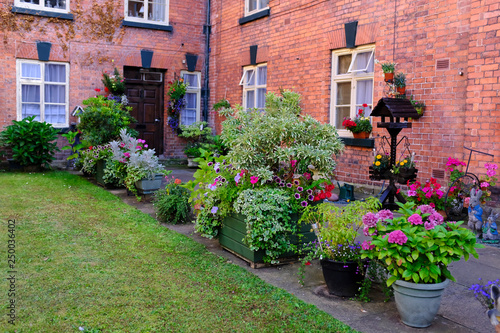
x: 32, y: 142
x: 172, y: 203
x: 102, y: 120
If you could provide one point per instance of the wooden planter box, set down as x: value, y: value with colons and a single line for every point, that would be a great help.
x: 234, y: 230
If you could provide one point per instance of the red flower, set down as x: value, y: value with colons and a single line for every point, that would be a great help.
x: 97, y: 89
x: 365, y: 105
x: 397, y: 192
x: 106, y: 89
x: 90, y: 147
x: 328, y: 194
x: 308, y: 263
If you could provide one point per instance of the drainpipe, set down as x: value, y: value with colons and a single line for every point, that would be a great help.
x: 206, y: 30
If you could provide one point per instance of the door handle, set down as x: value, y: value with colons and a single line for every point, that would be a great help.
x: 157, y: 120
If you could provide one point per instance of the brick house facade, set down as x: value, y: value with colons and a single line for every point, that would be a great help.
x: 447, y: 49
x: 88, y: 38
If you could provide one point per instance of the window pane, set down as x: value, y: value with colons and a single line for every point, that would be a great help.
x: 263, y: 3
x: 262, y: 75
x: 250, y: 99
x: 343, y: 93
x: 342, y: 113
x: 344, y: 63
x: 188, y: 116
x: 55, y: 114
x: 192, y: 80
x: 36, y: 2
x: 59, y: 4
x: 55, y: 73
x: 364, y: 94
x: 252, y: 5
x: 261, y: 98
x: 362, y: 61
x: 55, y: 93
x: 31, y: 71
x: 250, y: 79
x: 191, y: 101
x: 136, y: 8
x: 30, y: 93
x: 29, y: 110
x: 156, y: 10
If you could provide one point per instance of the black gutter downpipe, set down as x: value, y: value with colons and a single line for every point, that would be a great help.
x: 206, y: 31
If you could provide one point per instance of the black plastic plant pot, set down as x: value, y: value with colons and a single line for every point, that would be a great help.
x: 343, y: 278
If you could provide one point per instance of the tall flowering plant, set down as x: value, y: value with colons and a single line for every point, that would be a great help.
x: 360, y: 123
x: 418, y: 246
x: 487, y: 181
x: 429, y: 193
x: 176, y: 102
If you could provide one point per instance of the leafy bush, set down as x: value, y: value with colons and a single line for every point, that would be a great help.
x: 32, y: 142
x: 172, y: 203
x: 103, y: 119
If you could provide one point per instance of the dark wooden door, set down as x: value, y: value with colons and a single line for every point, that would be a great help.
x: 146, y: 99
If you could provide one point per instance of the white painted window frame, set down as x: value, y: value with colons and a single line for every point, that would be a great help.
x: 247, y: 8
x: 42, y: 6
x: 254, y: 87
x: 353, y: 76
x: 41, y: 82
x: 195, y: 90
x: 145, y: 19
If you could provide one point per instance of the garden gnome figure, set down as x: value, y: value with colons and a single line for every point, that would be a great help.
x: 490, y: 229
x: 476, y: 212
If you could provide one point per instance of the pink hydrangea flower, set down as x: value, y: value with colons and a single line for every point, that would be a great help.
x: 436, y: 218
x: 366, y: 231
x: 415, y: 219
x: 367, y: 245
x: 370, y: 220
x: 429, y: 225
x: 426, y: 209
x: 485, y: 184
x: 397, y: 237
x: 385, y: 214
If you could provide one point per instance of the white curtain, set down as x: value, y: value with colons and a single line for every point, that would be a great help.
x: 31, y: 71
x: 157, y: 10
x: 250, y: 99
x: 192, y: 80
x: 362, y: 61
x: 188, y: 114
x: 262, y: 75
x: 263, y: 3
x: 364, y: 94
x: 261, y: 98
x: 30, y: 100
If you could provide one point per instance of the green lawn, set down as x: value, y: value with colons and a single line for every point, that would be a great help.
x: 84, y: 258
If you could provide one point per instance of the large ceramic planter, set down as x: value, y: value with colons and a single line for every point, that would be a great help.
x: 418, y: 303
x: 234, y: 229
x: 342, y: 279
x: 148, y: 186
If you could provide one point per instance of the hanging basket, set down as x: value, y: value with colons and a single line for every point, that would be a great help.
x: 406, y: 175
x: 379, y: 174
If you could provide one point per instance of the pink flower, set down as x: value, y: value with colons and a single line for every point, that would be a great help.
x: 126, y: 154
x: 398, y: 237
x: 367, y: 245
x: 485, y: 184
x: 294, y: 162
x: 385, y: 214
x: 415, y: 219
x: 412, y: 193
x: 307, y: 175
x: 432, y: 205
x: 254, y: 179
x: 429, y: 225
x: 146, y: 146
x: 439, y: 194
x: 370, y: 220
x: 138, y: 147
x: 366, y: 231
x: 428, y: 195
x: 122, y: 144
x: 426, y: 209
x: 436, y: 218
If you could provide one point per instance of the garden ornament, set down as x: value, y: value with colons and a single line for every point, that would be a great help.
x: 493, y: 314
x: 475, y: 212
x: 490, y: 229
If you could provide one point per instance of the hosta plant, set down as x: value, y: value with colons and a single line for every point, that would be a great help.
x: 417, y: 246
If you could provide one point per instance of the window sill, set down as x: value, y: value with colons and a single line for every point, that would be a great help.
x: 365, y: 143
x: 146, y: 25
x: 44, y: 13
x: 255, y: 16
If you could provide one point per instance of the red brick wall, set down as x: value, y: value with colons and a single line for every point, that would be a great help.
x: 298, y: 38
x: 94, y: 42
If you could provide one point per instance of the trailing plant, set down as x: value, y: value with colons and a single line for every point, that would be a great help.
x: 176, y: 102
x: 32, y: 142
x: 221, y: 104
x: 90, y: 156
x: 381, y: 162
x: 172, y: 203
x: 418, y: 246
x: 197, y: 136
x: 102, y: 120
x: 114, y: 83
x: 72, y: 145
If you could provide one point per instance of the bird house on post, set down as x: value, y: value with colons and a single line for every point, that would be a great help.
x: 394, y: 113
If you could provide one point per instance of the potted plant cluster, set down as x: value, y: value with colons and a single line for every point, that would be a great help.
x: 419, y: 106
x: 197, y: 136
x: 32, y: 143
x: 278, y: 163
x: 114, y: 86
x: 336, y: 229
x: 430, y: 193
x: 172, y: 203
x: 417, y: 247
x: 405, y: 170
x: 381, y: 167
x: 360, y: 126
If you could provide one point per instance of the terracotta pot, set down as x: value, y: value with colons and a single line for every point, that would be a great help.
x: 361, y: 135
x: 401, y: 90
x: 388, y: 77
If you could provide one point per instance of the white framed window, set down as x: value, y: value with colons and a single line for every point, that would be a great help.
x: 254, y: 6
x: 42, y: 91
x: 254, y: 82
x: 47, y: 5
x: 147, y: 11
x: 191, y: 111
x: 352, y: 84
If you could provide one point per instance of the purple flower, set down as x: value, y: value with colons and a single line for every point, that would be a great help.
x: 367, y: 245
x: 436, y: 218
x: 237, y: 178
x: 297, y: 196
x: 300, y: 189
x: 415, y: 219
x: 366, y: 231
x: 296, y: 182
x: 310, y: 197
x: 398, y: 237
x: 370, y: 220
x: 303, y: 203
x: 289, y: 185
x: 385, y: 214
x: 309, y: 192
x: 217, y: 170
x: 429, y: 225
x: 214, y: 209
x: 278, y: 180
x: 426, y: 209
x: 412, y: 193
x: 210, y: 163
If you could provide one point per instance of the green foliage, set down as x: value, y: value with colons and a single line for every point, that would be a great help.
x: 267, y: 212
x: 172, y: 203
x: 400, y: 80
x: 222, y: 104
x: 196, y: 132
x: 388, y: 67
x: 261, y: 141
x: 114, y: 83
x: 75, y: 149
x: 102, y: 120
x: 417, y: 246
x: 32, y: 142
x: 381, y: 162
